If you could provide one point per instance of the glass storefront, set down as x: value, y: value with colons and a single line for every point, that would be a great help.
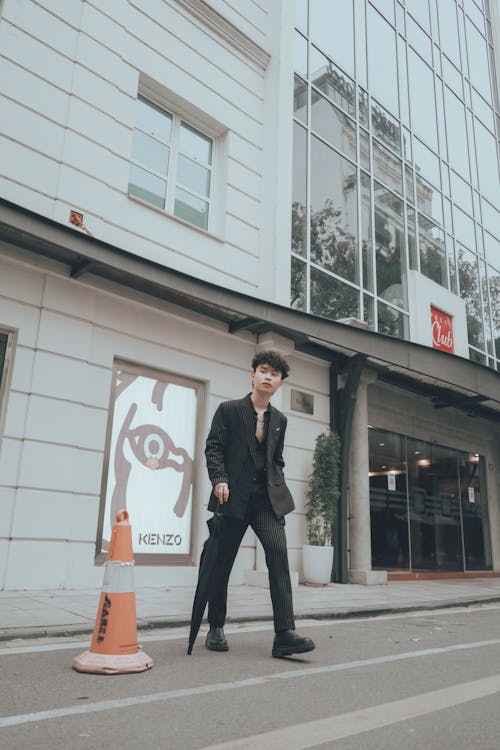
x: 428, y: 506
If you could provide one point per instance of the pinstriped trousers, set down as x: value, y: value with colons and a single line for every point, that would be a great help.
x: 271, y: 533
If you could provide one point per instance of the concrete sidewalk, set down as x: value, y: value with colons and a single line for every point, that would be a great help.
x: 28, y: 614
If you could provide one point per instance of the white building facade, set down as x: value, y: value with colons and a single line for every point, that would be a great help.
x: 185, y: 182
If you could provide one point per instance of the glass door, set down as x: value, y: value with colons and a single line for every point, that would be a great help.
x: 388, y: 501
x: 435, y: 527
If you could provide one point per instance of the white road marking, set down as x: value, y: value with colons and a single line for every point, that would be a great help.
x: 314, y: 733
x: 176, y: 635
x: 291, y: 674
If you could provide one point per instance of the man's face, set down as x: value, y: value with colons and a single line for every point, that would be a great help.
x: 265, y: 379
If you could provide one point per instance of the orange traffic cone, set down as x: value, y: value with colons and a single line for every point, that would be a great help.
x: 114, y: 648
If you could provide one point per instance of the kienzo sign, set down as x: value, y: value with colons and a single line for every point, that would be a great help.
x: 442, y: 330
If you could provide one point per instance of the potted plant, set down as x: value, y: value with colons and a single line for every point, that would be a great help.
x: 322, y: 495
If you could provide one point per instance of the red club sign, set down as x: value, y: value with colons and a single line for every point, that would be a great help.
x: 442, y: 330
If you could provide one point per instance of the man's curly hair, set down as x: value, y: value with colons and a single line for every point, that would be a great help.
x: 274, y: 360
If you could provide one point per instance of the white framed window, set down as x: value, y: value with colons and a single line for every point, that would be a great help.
x: 172, y: 164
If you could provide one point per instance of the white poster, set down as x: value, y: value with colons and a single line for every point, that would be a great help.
x: 472, y: 498
x: 151, y: 463
x: 391, y: 482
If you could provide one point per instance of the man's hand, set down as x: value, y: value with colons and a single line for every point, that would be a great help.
x: 221, y: 492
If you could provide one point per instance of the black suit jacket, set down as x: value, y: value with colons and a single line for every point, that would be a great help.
x: 231, y: 457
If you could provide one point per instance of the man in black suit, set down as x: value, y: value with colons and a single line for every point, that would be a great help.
x: 245, y: 463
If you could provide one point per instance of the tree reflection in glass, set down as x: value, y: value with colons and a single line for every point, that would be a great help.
x: 468, y: 274
x: 390, y: 247
x: 333, y: 226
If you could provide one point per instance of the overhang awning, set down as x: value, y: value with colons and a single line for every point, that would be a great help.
x: 449, y: 381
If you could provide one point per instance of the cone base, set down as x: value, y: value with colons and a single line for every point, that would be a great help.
x: 112, y: 663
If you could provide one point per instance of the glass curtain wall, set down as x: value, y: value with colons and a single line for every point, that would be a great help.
x: 396, y: 162
x: 428, y: 506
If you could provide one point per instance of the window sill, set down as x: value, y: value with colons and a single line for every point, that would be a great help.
x: 168, y: 215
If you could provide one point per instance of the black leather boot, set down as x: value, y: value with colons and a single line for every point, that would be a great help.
x: 288, y: 642
x: 216, y: 640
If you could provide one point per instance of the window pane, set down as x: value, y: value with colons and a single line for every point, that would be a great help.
x: 300, y: 54
x: 419, y: 9
x: 483, y: 111
x: 194, y: 144
x: 429, y: 200
x: 426, y: 163
x: 461, y: 192
x: 387, y: 167
x: 477, y: 53
x: 464, y: 228
x: 390, y: 247
x: 301, y: 15
x: 492, y: 249
x: 333, y: 211
x: 386, y: 7
x: 146, y: 186
x: 392, y: 322
x: 300, y: 99
x: 452, y: 267
x: 422, y: 101
x: 382, y: 67
x: 364, y: 149
x: 366, y: 233
x: 331, y: 298
x: 412, y: 239
x: 332, y: 81
x: 153, y: 120
x: 491, y: 219
x: 419, y: 40
x: 457, y: 133
x: 410, y: 193
x: 332, y: 125
x: 193, y: 175
x: 150, y: 152
x: 331, y: 26
x: 191, y: 209
x: 432, y: 251
x: 448, y: 29
x: 299, y: 280
x: 494, y: 285
x: 468, y: 274
x: 452, y: 76
x: 299, y: 223
x: 386, y: 128
x: 486, y: 306
x: 487, y: 163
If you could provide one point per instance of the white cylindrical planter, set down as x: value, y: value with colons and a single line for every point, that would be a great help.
x: 317, y: 564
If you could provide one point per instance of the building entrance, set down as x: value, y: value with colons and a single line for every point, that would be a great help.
x: 428, y: 506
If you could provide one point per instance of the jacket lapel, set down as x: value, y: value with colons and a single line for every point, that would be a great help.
x: 246, y: 413
x: 273, y: 433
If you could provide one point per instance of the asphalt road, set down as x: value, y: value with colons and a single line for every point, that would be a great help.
x: 422, y: 680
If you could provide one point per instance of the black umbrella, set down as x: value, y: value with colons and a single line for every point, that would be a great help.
x: 208, y: 560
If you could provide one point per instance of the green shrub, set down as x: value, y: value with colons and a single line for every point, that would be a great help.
x: 323, y: 489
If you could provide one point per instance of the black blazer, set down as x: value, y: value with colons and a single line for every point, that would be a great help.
x: 231, y: 457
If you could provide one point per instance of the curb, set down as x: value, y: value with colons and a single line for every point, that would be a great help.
x: 144, y: 624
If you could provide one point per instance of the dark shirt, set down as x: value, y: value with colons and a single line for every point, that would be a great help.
x: 261, y: 448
